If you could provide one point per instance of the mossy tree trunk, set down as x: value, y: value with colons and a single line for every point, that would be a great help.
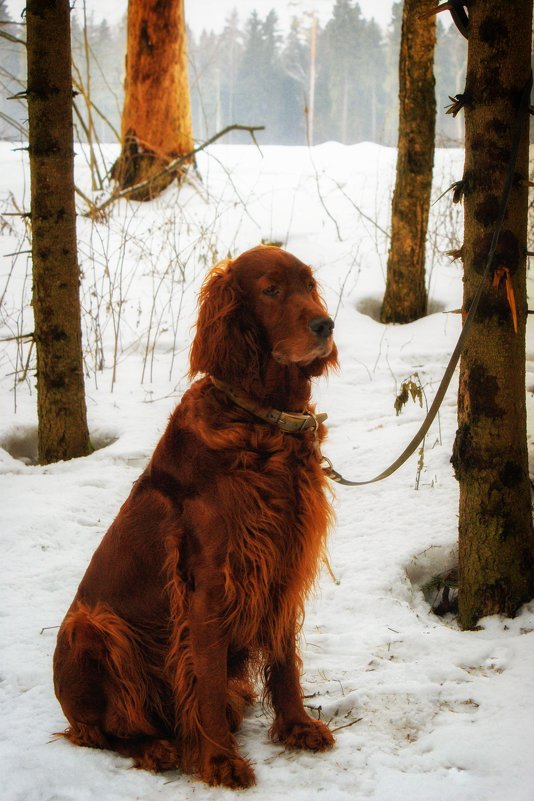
x: 496, y: 542
x: 156, y: 119
x: 63, y: 430
x: 405, y: 298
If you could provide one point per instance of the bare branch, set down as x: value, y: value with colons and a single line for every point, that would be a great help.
x: 11, y: 38
x: 174, y: 165
x: 17, y: 338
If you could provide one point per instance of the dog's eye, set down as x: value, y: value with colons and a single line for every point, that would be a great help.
x: 311, y: 286
x: 271, y: 291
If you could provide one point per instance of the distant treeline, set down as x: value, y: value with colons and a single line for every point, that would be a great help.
x: 332, y: 82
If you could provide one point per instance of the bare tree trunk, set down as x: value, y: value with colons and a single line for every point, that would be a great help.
x: 310, y: 121
x: 405, y: 298
x: 156, y: 118
x: 345, y: 107
x: 496, y: 541
x: 63, y: 430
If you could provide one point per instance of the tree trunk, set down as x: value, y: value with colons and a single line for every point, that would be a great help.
x: 156, y: 118
x: 310, y: 119
x: 405, y: 298
x: 496, y: 542
x: 63, y: 430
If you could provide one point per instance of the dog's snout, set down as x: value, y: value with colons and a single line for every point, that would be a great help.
x: 322, y: 327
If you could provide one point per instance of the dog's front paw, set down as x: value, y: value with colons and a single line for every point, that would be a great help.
x: 229, y: 771
x: 309, y: 735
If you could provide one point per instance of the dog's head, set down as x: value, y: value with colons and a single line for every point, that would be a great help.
x: 263, y: 305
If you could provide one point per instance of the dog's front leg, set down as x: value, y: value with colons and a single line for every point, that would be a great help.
x: 220, y: 763
x: 292, y: 724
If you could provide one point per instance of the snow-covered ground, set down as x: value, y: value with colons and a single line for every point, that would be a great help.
x: 423, y: 711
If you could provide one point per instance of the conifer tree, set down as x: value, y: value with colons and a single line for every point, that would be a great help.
x: 63, y: 432
x: 496, y: 538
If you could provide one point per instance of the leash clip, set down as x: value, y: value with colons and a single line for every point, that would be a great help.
x: 315, y: 422
x: 325, y: 464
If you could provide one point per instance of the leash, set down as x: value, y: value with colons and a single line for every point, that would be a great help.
x: 449, y: 371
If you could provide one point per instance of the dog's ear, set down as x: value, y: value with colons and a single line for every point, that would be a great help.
x: 225, y: 343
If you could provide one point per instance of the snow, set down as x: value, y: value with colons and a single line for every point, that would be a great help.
x: 422, y: 710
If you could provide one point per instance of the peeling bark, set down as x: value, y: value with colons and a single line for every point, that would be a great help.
x: 156, y: 118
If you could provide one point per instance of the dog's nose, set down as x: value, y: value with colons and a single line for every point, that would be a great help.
x: 322, y: 327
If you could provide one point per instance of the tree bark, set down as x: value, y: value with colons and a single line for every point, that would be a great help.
x: 496, y: 541
x: 63, y: 430
x: 156, y: 118
x: 405, y: 298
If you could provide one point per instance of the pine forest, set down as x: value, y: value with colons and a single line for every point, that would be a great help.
x: 311, y: 84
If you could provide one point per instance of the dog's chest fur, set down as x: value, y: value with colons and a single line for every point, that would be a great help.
x: 268, y: 497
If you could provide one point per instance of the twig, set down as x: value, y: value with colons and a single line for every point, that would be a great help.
x: 321, y: 198
x: 87, y: 94
x: 16, y: 125
x: 347, y: 725
x: 11, y: 38
x: 47, y: 628
x: 28, y: 360
x: 17, y: 338
x: 84, y: 196
x: 360, y: 212
x: 326, y: 562
x: 98, y: 111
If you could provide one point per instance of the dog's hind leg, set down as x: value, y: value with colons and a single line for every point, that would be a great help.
x: 101, y: 683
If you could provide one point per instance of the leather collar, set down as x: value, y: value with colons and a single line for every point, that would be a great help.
x: 289, y: 422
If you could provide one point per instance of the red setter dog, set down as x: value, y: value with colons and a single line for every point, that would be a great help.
x: 200, y: 582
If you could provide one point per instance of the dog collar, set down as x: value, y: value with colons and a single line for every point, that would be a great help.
x: 289, y: 422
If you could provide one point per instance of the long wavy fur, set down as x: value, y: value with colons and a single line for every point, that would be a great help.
x: 198, y: 588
